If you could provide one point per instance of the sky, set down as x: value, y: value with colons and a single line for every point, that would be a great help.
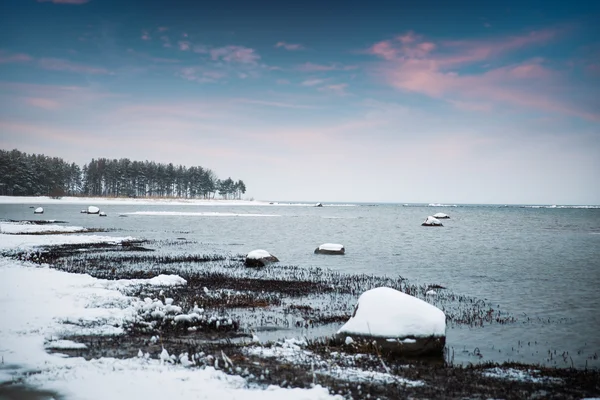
x: 364, y: 101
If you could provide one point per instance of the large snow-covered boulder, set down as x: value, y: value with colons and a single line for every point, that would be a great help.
x: 259, y: 258
x: 431, y: 221
x: 93, y: 210
x: 330, y: 248
x: 397, y: 322
x: 38, y: 210
x: 441, y: 216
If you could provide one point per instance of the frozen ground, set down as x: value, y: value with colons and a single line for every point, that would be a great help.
x: 39, y: 306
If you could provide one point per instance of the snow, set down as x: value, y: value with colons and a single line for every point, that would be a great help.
x: 39, y: 306
x: 38, y: 210
x: 432, y: 221
x: 126, y: 201
x: 440, y: 215
x: 93, y: 210
x: 331, y: 247
x: 22, y: 228
x: 388, y: 313
x: 29, y: 241
x: 258, y: 254
x: 513, y: 374
x: 65, y: 345
x: 198, y: 214
x: 441, y: 205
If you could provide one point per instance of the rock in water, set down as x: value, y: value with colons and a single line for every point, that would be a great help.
x: 93, y: 210
x: 259, y: 258
x: 330, y: 248
x: 397, y: 322
x: 441, y: 216
x: 319, y: 205
x: 38, y: 210
x: 430, y: 221
x: 102, y: 214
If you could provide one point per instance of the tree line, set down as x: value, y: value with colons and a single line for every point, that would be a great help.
x: 23, y: 174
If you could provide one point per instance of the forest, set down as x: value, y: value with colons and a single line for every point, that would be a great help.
x: 23, y: 174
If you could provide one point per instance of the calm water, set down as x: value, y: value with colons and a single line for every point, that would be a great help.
x: 541, y: 263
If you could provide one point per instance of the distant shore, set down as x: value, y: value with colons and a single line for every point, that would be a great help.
x: 125, y: 201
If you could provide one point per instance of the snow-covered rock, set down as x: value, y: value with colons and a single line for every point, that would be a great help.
x: 102, y: 214
x: 39, y: 210
x: 319, y: 205
x: 441, y: 216
x: 83, y: 211
x: 389, y: 317
x: 330, y: 248
x: 259, y: 258
x: 431, y: 221
x: 93, y: 210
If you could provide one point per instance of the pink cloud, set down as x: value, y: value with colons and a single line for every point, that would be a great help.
x: 282, y: 82
x: 40, y: 102
x: 235, y: 54
x: 199, y: 75
x: 56, y: 64
x: 310, y: 67
x: 339, y: 89
x: 165, y: 41
x: 313, y: 82
x: 289, y: 46
x: 163, y: 28
x: 145, y: 35
x: 415, y: 65
x: 184, y: 46
x: 65, y: 1
x: 6, y: 58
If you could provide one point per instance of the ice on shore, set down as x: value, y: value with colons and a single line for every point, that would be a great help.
x: 16, y: 228
x: 388, y: 313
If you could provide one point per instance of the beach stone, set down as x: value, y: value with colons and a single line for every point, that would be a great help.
x: 397, y: 323
x: 93, y: 210
x: 331, y: 248
x: 259, y: 258
x: 431, y: 221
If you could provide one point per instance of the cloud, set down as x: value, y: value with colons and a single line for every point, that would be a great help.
x: 56, y: 64
x: 413, y: 64
x: 311, y: 67
x: 184, y: 46
x: 145, y: 35
x: 289, y: 46
x: 40, y: 102
x: 282, y: 82
x: 200, y: 75
x: 235, y: 54
x: 339, y: 89
x: 65, y: 1
x: 7, y: 58
x: 166, y: 41
x: 274, y: 104
x: 313, y: 82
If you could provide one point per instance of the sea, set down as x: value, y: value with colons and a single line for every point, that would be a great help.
x: 539, y: 264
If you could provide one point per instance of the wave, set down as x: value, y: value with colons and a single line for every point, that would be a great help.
x: 555, y: 206
x: 197, y: 214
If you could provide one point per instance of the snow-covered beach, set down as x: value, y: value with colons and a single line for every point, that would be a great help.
x: 89, y: 332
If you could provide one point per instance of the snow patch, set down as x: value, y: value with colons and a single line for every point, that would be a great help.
x: 386, y: 312
x: 19, y: 228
